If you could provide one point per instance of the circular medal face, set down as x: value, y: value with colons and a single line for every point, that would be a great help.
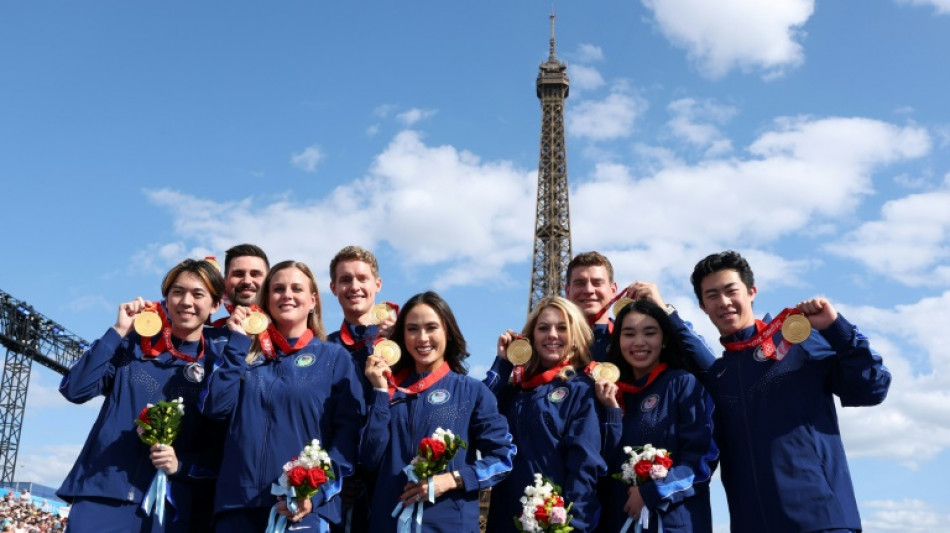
x: 147, y: 323
x: 255, y: 323
x: 379, y: 312
x: 620, y: 304
x: 389, y: 350
x: 194, y: 372
x: 605, y: 372
x: 519, y: 352
x: 796, y: 329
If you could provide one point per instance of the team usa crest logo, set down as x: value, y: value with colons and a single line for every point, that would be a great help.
x: 649, y: 403
x: 194, y: 372
x: 438, y: 396
x: 303, y: 360
x: 558, y: 394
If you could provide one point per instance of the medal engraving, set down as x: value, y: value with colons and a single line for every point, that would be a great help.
x: 389, y: 350
x: 380, y: 312
x: 147, y: 323
x: 605, y: 372
x: 620, y: 304
x: 796, y: 329
x: 519, y: 352
x: 255, y: 323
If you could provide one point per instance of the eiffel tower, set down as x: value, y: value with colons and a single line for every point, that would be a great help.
x: 552, y: 226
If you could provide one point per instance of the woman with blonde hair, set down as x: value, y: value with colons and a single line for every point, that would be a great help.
x: 282, y: 390
x: 550, y: 406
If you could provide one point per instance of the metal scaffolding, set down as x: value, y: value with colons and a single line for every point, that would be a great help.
x: 27, y: 336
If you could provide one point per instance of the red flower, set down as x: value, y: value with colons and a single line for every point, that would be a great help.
x: 435, y: 446
x: 316, y: 477
x: 642, y: 468
x: 664, y: 461
x: 296, y: 476
x: 143, y: 416
x: 541, y: 514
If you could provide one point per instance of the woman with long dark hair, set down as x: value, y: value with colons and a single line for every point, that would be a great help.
x: 657, y: 401
x: 552, y: 414
x: 428, y: 390
x: 282, y: 389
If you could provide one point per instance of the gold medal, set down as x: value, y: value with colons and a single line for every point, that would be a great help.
x: 519, y: 352
x: 605, y: 372
x: 389, y: 350
x: 796, y: 328
x: 147, y: 323
x: 620, y: 304
x: 380, y: 312
x: 213, y: 262
x: 255, y: 323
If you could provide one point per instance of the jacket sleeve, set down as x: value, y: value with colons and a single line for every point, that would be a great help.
x: 695, y: 457
x: 611, y: 428
x: 498, y: 375
x: 859, y: 376
x: 347, y: 414
x: 94, y: 372
x: 375, y: 435
x: 489, y: 433
x: 580, y: 451
x: 223, y: 387
x: 694, y: 345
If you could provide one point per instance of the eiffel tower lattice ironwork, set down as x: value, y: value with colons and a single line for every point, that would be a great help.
x: 552, y: 226
x: 27, y: 336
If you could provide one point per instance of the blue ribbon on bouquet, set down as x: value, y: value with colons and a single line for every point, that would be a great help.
x: 406, y: 512
x: 155, y: 497
x: 642, y: 522
x: 277, y: 523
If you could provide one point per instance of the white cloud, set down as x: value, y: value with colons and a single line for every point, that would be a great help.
x: 384, y: 110
x: 47, y: 465
x: 745, y: 34
x: 588, y: 53
x: 432, y: 205
x: 918, y: 403
x: 584, y: 77
x: 414, y: 115
x: 801, y: 171
x: 910, y: 242
x: 697, y: 122
x: 610, y: 118
x: 308, y: 159
x: 905, y: 516
x: 942, y: 6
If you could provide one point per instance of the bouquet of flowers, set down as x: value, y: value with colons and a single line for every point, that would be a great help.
x: 644, y: 463
x: 159, y: 423
x: 300, y: 479
x: 543, y: 509
x: 435, y: 452
x: 305, y: 473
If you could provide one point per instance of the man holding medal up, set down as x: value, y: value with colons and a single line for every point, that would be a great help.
x: 783, y: 463
x: 355, y: 281
x: 591, y: 286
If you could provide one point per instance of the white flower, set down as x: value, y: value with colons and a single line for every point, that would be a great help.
x: 442, y: 433
x: 658, y: 472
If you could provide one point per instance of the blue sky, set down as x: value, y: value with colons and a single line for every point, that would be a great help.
x: 812, y: 136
